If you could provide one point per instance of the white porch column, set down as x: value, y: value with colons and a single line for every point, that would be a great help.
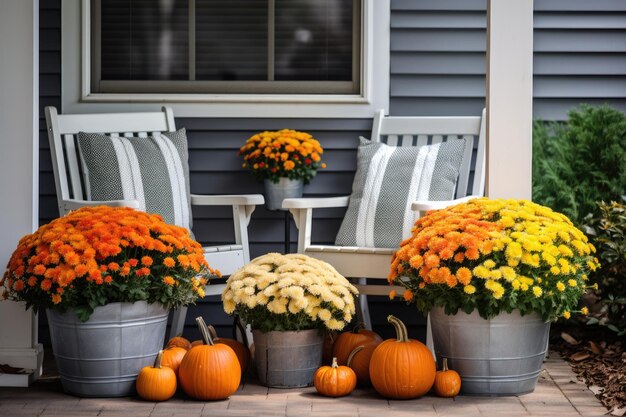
x: 19, y: 166
x: 509, y: 98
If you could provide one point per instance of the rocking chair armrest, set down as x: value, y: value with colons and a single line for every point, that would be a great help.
x: 71, y: 204
x: 310, y: 203
x: 426, y: 205
x: 227, y: 200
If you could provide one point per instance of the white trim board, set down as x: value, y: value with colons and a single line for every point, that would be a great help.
x: 76, y: 97
x: 19, y: 169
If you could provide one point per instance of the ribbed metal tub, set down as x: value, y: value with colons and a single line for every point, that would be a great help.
x: 275, y: 193
x: 287, y: 359
x: 501, y: 356
x: 102, y: 356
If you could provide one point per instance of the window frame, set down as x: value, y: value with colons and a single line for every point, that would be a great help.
x: 193, y: 86
x: 77, y: 96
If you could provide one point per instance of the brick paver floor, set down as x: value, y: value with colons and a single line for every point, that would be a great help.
x: 558, y: 393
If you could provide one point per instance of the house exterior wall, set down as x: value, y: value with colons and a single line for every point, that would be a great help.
x: 437, y: 68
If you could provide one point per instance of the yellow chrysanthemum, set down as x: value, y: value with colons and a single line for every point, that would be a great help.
x: 469, y: 289
x: 560, y: 286
x: 537, y: 291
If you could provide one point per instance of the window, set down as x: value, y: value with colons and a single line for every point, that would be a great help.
x: 226, y: 46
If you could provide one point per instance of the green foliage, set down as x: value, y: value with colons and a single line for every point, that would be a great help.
x: 608, y: 233
x: 581, y: 162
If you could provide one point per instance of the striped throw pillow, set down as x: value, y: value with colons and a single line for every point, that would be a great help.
x: 387, y: 180
x: 153, y: 170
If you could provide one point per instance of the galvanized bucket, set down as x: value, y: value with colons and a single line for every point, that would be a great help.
x: 102, y: 356
x: 287, y: 359
x: 275, y: 193
x: 500, y: 356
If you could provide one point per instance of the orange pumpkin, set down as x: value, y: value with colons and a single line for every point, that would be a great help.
x: 210, y: 371
x: 178, y: 341
x: 156, y: 383
x: 348, y: 341
x: 197, y: 343
x: 402, y: 368
x: 447, y: 381
x: 334, y: 380
x: 242, y: 352
x: 172, y: 357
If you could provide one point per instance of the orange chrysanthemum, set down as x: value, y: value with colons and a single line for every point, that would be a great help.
x: 283, y: 153
x: 496, y: 250
x: 97, y: 245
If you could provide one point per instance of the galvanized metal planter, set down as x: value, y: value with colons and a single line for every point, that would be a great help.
x: 501, y: 356
x: 102, y: 356
x: 287, y: 359
x: 275, y: 193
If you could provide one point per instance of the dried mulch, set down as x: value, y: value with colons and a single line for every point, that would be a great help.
x: 598, y: 359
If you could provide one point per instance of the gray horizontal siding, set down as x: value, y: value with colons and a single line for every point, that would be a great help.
x: 438, y: 56
x: 438, y: 51
x: 580, y: 55
x: 437, y: 68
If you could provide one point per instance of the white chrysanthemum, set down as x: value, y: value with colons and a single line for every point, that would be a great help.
x: 276, y: 307
x: 324, y: 314
x: 271, y: 291
x: 263, y: 281
x: 315, y: 289
x: 235, y: 284
x: 294, y: 308
x: 251, y: 302
x: 313, y: 301
x: 333, y: 324
x: 262, y: 299
x: 229, y: 306
x: 292, y: 292
x: 293, y: 283
x: 249, y: 282
x: 285, y: 282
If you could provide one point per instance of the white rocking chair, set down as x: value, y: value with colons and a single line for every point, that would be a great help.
x: 363, y: 263
x: 62, y: 130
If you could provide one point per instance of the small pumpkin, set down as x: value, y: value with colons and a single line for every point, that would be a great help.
x: 346, y: 343
x: 242, y: 352
x: 178, y: 341
x: 197, y: 342
x: 210, y: 371
x: 172, y: 357
x: 156, y: 383
x: 334, y: 380
x: 447, y: 381
x: 402, y: 368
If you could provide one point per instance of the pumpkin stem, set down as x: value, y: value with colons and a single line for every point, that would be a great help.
x: 444, y: 368
x: 206, y: 335
x: 358, y: 327
x: 401, y: 332
x: 335, y: 364
x: 353, y: 353
x: 157, y: 361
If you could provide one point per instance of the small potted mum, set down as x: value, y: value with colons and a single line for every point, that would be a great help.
x: 284, y: 160
x: 493, y: 274
x: 288, y: 300
x: 106, y: 278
